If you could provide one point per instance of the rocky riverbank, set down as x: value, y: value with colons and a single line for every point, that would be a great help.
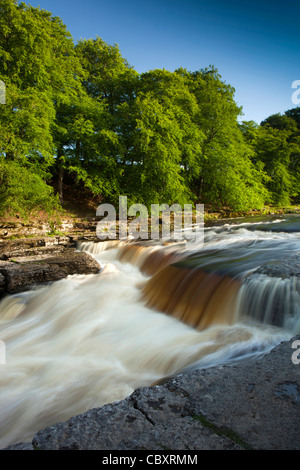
x: 14, y: 229
x: 32, y: 253
x: 29, y: 262
x: 23, y: 273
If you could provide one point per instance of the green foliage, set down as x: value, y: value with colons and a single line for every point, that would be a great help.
x: 273, y: 150
x: 166, y: 141
x: 82, y: 112
x: 89, y: 130
x: 37, y: 64
x: 276, y: 145
x: 23, y: 191
x: 226, y: 174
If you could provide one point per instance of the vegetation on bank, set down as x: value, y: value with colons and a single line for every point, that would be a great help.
x: 79, y: 121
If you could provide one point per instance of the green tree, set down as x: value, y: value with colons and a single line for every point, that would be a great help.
x: 82, y: 137
x: 295, y: 154
x: 36, y: 65
x: 39, y: 68
x: 228, y: 176
x: 295, y: 115
x: 166, y: 142
x: 109, y: 85
x: 23, y: 195
x: 278, y: 147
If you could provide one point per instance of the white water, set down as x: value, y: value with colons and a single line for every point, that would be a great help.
x: 89, y: 340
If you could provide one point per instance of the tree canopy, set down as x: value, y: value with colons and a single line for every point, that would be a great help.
x: 81, y: 114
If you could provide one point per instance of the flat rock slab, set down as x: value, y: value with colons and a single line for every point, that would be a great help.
x: 21, y: 274
x: 283, y: 268
x: 249, y: 405
x: 33, y: 246
x: 258, y: 402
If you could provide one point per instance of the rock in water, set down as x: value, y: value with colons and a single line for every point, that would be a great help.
x: 21, y: 274
x: 283, y: 268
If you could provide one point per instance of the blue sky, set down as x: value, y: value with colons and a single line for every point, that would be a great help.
x: 254, y: 45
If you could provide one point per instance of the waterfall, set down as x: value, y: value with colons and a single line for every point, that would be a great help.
x: 154, y: 310
x: 197, y: 298
x: 273, y: 301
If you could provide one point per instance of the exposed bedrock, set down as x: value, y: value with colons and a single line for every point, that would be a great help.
x: 24, y: 272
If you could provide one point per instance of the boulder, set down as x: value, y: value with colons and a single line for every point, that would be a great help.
x: 21, y: 274
x: 282, y: 268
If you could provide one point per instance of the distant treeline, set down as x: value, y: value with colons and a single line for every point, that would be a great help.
x: 80, y: 112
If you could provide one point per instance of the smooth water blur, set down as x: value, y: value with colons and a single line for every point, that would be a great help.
x: 89, y: 340
x: 236, y: 248
x: 218, y: 282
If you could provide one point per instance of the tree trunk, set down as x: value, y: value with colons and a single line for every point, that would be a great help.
x: 61, y: 170
x: 77, y: 155
x: 60, y: 184
x: 9, y: 156
x: 200, y: 188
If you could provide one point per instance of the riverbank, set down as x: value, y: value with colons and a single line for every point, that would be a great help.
x: 40, y: 250
x: 72, y: 224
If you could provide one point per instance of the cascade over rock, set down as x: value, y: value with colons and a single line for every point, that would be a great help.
x: 193, y: 296
x: 150, y: 311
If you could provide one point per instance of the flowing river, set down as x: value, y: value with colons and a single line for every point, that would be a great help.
x: 153, y: 311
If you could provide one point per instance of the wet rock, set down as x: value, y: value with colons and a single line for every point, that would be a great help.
x: 249, y: 401
x: 2, y: 285
x: 283, y: 268
x: 21, y: 446
x: 22, y: 273
x: 102, y: 428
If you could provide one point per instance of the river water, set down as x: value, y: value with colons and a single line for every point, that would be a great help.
x: 154, y: 310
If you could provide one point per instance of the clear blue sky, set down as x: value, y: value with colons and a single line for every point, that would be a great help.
x: 255, y: 45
